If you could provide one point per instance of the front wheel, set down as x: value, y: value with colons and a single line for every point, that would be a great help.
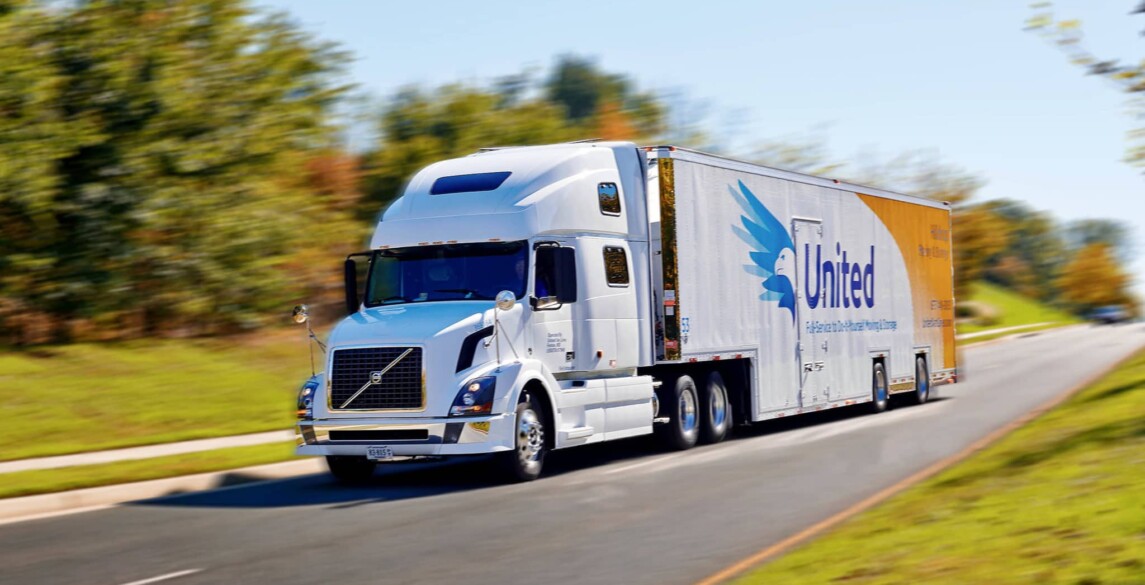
x: 525, y: 461
x: 350, y: 470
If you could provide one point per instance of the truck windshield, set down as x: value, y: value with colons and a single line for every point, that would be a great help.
x: 451, y: 272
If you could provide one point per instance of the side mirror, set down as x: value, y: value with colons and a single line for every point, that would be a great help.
x: 506, y: 300
x: 301, y: 314
x: 542, y: 303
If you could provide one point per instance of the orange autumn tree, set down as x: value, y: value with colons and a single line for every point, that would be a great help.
x: 1093, y: 278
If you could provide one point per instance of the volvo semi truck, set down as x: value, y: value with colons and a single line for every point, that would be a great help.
x: 521, y: 300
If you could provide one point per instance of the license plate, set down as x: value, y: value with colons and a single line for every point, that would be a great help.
x: 379, y: 453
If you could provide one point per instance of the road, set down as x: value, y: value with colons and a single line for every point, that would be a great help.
x: 623, y: 513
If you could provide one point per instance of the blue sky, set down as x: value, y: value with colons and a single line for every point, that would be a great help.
x: 961, y: 79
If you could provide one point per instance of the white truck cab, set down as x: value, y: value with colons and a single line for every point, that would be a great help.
x: 429, y: 366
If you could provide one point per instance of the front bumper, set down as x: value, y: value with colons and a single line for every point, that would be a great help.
x: 407, y: 437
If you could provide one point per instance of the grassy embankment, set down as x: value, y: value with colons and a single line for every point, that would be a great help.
x: 1059, y: 500
x: 25, y: 483
x: 1002, y: 308
x: 89, y: 397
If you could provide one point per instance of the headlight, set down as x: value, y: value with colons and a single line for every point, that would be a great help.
x: 475, y: 397
x: 306, y: 394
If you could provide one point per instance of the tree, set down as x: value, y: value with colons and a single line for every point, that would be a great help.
x: 578, y: 101
x: 1113, y: 233
x: 1035, y: 240
x: 584, y: 90
x: 35, y: 136
x: 1067, y: 36
x: 182, y: 191
x: 1092, y: 278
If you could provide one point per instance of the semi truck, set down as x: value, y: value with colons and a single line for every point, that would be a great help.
x: 526, y: 299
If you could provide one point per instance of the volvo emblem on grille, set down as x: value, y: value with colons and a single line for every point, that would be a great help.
x: 376, y: 377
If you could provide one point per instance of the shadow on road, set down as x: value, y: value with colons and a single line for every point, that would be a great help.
x: 404, y: 481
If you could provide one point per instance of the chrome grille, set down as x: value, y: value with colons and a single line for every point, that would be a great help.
x: 400, y: 388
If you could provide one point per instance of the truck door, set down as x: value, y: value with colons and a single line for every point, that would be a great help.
x: 811, y: 358
x: 553, y: 298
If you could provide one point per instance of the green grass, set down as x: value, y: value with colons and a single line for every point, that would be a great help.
x: 1061, y: 500
x: 1012, y: 309
x: 88, y: 397
x: 26, y: 483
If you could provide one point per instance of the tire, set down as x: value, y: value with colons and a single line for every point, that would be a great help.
x: 880, y: 396
x: 680, y: 402
x: 525, y: 461
x: 715, y: 410
x: 921, y: 382
x: 350, y: 470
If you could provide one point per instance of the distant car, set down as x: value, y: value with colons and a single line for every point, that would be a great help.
x: 1109, y: 315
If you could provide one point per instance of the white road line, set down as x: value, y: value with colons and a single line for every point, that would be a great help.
x: 166, y: 577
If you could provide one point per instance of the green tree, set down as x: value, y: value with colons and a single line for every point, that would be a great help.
x: 1035, y: 240
x: 181, y: 191
x: 584, y: 91
x: 578, y: 101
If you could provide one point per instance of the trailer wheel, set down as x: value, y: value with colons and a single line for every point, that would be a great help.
x: 525, y: 461
x: 350, y: 470
x: 681, y: 404
x: 921, y: 381
x: 716, y: 411
x: 879, y: 394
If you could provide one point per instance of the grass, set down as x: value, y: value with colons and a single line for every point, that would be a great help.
x: 1012, y: 309
x: 1060, y: 500
x: 26, y: 483
x: 87, y: 397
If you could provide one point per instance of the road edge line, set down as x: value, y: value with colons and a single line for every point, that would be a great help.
x: 774, y: 550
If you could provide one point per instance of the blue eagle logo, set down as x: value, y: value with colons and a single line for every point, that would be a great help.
x: 768, y: 239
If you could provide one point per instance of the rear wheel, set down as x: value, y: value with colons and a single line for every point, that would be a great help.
x: 921, y: 381
x: 879, y: 394
x: 525, y: 461
x: 717, y: 413
x: 680, y: 402
x: 350, y: 470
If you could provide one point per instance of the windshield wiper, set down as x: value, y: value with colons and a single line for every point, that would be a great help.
x: 394, y: 298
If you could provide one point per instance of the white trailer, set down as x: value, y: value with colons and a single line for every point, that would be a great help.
x: 526, y: 299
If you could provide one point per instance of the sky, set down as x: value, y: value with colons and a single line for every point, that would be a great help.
x: 962, y: 80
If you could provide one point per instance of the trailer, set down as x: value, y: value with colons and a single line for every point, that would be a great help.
x: 522, y: 300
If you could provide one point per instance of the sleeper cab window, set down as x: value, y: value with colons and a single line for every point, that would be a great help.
x: 609, y: 197
x: 615, y: 266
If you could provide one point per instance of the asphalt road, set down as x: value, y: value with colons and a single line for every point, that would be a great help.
x: 622, y: 513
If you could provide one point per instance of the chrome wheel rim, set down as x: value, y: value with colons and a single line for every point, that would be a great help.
x: 688, y: 411
x: 530, y: 438
x: 719, y: 411
x: 923, y: 386
x: 880, y: 388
